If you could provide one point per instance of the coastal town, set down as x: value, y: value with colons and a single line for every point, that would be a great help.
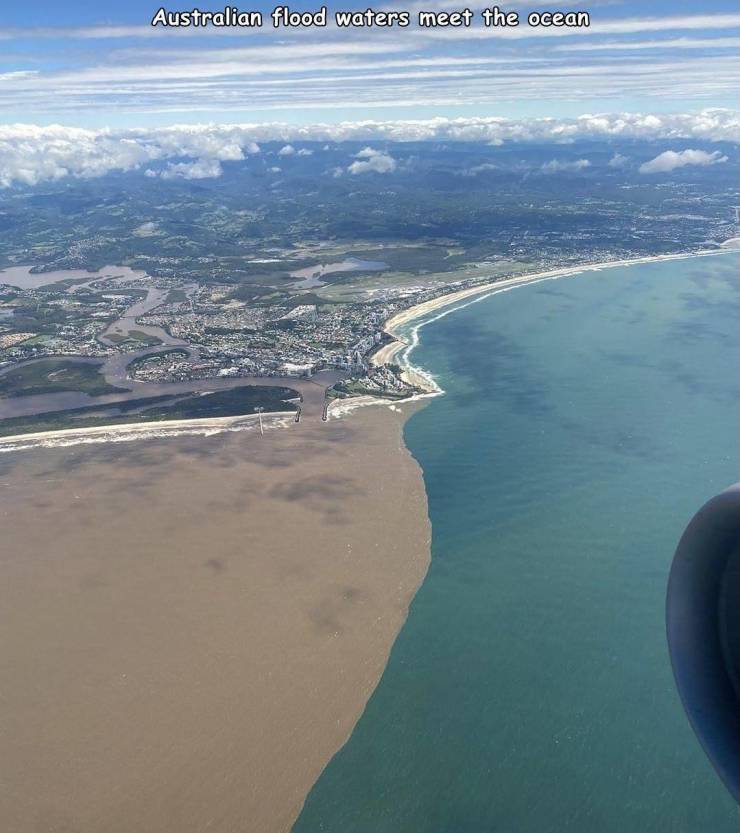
x: 306, y: 268
x: 168, y: 331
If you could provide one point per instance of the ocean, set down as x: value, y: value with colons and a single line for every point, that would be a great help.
x: 585, y: 420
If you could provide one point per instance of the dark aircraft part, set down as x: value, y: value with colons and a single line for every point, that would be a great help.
x: 703, y: 625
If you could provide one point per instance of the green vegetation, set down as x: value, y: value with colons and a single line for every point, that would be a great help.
x: 447, y: 205
x: 55, y: 376
x: 234, y: 402
x: 358, y: 387
x: 137, y: 337
x: 220, y: 331
x: 174, y: 351
x: 176, y: 296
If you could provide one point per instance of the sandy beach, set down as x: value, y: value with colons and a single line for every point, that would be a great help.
x: 131, y: 431
x: 192, y: 626
x: 193, y: 622
x: 391, y: 352
x: 312, y: 392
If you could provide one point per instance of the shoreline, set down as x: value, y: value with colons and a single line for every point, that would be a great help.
x: 401, y: 349
x: 125, y: 432
x: 356, y: 503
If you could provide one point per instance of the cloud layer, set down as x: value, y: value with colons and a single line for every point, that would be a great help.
x: 30, y: 154
x: 639, y: 58
x: 669, y: 160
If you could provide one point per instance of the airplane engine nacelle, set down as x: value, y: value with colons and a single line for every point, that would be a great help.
x: 703, y: 627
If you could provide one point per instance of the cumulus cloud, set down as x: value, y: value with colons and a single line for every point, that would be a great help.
x: 289, y: 150
x: 555, y: 166
x: 30, y: 154
x: 200, y: 169
x: 480, y: 169
x: 670, y: 160
x: 618, y: 161
x: 370, y: 160
x: 227, y: 143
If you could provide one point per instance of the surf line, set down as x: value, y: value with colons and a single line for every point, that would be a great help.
x: 486, y: 291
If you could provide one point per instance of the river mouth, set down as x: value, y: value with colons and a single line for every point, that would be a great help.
x: 186, y: 621
x: 115, y: 366
x: 584, y: 422
x: 312, y: 393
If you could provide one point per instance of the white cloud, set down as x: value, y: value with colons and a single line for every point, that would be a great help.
x: 252, y: 74
x: 556, y: 166
x: 30, y: 154
x: 618, y: 161
x: 200, y: 169
x: 89, y: 32
x: 346, y: 75
x: 204, y: 141
x: 18, y: 74
x: 599, y: 26
x: 289, y: 150
x: 370, y: 160
x: 670, y: 160
x: 664, y: 43
x: 480, y: 169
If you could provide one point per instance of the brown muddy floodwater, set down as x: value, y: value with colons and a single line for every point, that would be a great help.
x: 192, y: 626
x: 24, y: 278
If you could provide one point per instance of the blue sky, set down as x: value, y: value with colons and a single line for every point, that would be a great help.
x: 96, y: 64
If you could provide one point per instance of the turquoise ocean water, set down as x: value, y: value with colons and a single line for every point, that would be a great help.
x: 585, y: 420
